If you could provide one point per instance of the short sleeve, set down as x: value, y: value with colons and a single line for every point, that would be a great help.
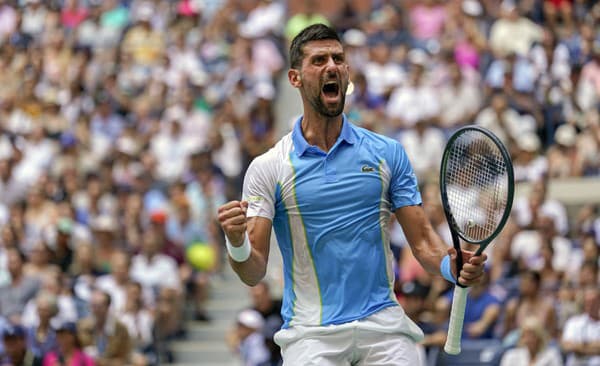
x: 404, y: 189
x: 571, y: 331
x: 259, y: 188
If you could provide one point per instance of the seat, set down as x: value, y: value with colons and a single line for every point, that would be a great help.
x: 473, y: 353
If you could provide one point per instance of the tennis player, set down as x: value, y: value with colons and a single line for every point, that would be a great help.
x: 328, y: 189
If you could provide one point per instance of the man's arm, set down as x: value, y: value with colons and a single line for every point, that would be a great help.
x: 236, y: 226
x: 429, y: 249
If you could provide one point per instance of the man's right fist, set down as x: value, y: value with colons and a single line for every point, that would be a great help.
x: 232, y: 217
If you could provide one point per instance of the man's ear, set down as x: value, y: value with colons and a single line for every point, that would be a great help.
x: 295, y: 78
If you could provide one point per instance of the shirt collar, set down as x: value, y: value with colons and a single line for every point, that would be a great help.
x: 301, y: 145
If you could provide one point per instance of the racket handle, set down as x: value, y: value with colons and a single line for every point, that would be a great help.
x: 457, y: 317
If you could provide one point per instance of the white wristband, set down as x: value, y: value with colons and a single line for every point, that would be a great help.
x: 241, y: 253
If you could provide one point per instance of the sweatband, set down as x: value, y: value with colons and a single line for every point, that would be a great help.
x: 241, y: 253
x: 445, y: 269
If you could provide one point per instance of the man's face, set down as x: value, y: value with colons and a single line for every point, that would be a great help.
x: 324, y: 76
x: 98, y: 305
x: 14, y: 346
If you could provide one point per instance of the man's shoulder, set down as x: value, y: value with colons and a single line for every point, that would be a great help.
x: 277, y: 153
x: 375, y: 139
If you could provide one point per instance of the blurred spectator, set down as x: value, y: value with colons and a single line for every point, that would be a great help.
x: 533, y: 347
x: 513, y: 33
x: 460, y: 98
x: 140, y: 324
x: 20, y: 290
x: 152, y: 269
x: 103, y: 336
x: 424, y: 146
x: 68, y: 351
x: 428, y: 18
x: 309, y: 15
x: 16, y: 352
x: 116, y: 282
x: 581, y: 334
x: 482, y: 311
x: 41, y: 337
x: 529, y: 303
x: 128, y: 122
x: 247, y: 340
x: 414, y: 100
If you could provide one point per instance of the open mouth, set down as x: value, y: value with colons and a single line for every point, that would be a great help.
x: 331, y: 89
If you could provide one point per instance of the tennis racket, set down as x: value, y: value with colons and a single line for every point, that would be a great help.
x: 477, y: 188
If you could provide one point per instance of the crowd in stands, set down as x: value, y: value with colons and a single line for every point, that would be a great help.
x: 125, y: 124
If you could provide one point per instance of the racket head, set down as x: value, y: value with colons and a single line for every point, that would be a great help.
x: 476, y: 185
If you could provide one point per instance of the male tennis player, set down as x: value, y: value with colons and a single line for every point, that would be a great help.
x: 328, y: 188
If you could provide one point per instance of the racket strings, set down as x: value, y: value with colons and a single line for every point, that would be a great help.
x: 477, y: 183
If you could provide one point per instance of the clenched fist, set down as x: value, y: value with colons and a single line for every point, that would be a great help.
x: 232, y: 217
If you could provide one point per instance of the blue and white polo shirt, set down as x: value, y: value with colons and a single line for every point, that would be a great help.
x: 330, y: 213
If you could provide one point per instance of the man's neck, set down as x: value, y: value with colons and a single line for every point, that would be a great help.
x: 321, y: 131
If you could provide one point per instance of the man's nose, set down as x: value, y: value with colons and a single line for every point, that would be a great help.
x: 331, y: 67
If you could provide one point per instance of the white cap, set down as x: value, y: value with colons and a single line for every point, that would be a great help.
x: 417, y: 56
x: 264, y: 90
x: 565, y: 135
x: 529, y: 142
x: 472, y: 8
x: 251, y: 319
x: 355, y: 37
x: 104, y: 223
x: 127, y: 145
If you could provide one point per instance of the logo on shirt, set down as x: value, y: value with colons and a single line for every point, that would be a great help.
x: 367, y: 169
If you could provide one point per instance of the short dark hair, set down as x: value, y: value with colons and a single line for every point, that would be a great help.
x: 315, y: 32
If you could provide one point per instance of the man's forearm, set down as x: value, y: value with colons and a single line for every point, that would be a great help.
x: 251, y: 271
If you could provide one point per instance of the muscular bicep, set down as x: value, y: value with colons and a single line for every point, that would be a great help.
x: 259, y: 234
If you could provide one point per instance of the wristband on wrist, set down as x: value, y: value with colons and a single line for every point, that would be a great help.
x: 445, y: 269
x: 241, y: 253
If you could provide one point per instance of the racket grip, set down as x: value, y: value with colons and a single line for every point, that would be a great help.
x: 457, y: 317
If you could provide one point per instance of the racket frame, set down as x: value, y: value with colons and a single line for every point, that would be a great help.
x: 457, y: 314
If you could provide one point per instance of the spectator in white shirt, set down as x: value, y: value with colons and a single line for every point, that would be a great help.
x: 416, y: 99
x: 581, y: 334
x: 533, y: 347
x: 513, y: 32
x: 152, y: 269
x: 424, y: 146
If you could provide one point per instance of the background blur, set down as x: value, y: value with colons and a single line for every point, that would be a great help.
x: 125, y: 124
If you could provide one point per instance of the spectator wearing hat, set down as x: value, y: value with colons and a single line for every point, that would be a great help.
x: 69, y: 351
x: 14, y: 338
x: 529, y: 165
x: 104, y: 229
x: 158, y: 224
x: 103, y: 336
x: 533, y: 348
x: 63, y: 243
x: 247, y: 338
x: 564, y: 158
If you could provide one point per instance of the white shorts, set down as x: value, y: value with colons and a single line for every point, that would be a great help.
x: 387, y: 337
